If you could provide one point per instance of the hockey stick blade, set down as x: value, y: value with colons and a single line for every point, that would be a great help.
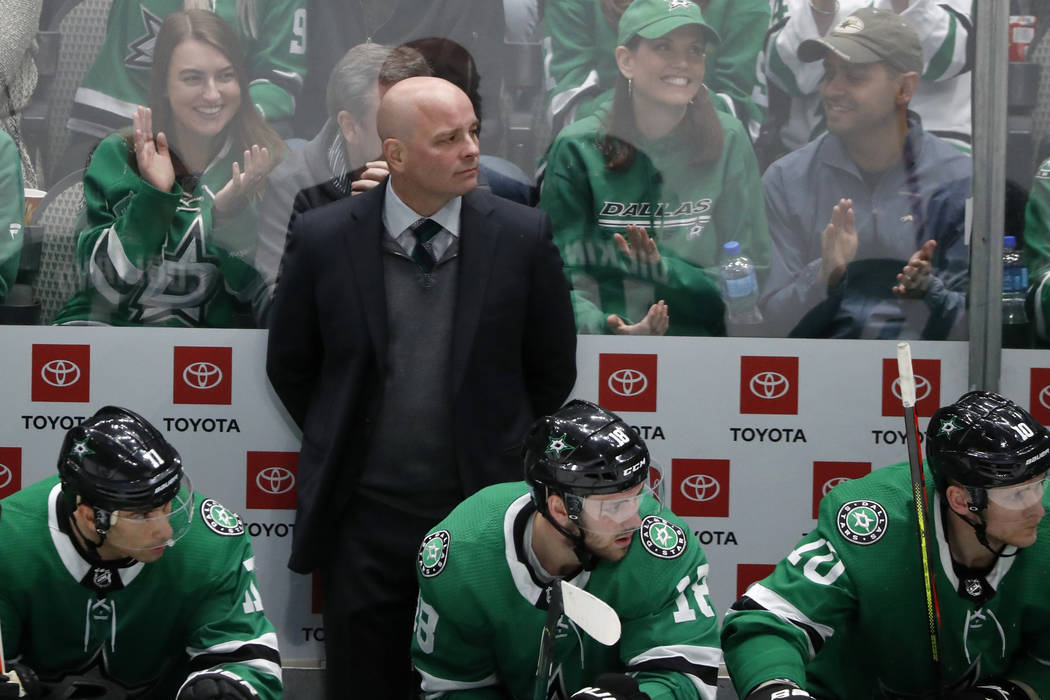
x: 592, y: 614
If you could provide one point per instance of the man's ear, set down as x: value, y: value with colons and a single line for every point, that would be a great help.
x: 556, y: 507
x: 394, y: 154
x: 958, y: 499
x: 908, y: 85
x: 347, y: 126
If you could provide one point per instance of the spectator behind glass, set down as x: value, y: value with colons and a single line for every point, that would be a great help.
x: 657, y: 158
x: 170, y: 227
x: 18, y: 26
x: 875, y: 269
x: 272, y: 33
x: 12, y: 213
x: 789, y: 89
x: 344, y: 158
x: 477, y: 25
x: 583, y: 36
x: 450, y: 61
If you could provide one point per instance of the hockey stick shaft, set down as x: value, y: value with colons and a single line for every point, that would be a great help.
x: 918, y: 485
x: 547, y: 640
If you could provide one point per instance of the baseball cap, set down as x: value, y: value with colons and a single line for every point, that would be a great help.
x: 866, y: 36
x: 652, y: 19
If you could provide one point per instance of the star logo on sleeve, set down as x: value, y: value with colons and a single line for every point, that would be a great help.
x: 140, y: 51
x: 862, y: 522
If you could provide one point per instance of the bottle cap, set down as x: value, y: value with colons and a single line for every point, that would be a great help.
x: 731, y: 249
x: 1010, y: 241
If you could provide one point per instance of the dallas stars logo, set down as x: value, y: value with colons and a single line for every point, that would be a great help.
x: 220, y: 519
x: 947, y: 428
x: 433, y: 554
x: 80, y: 450
x: 140, y: 51
x: 862, y: 522
x: 558, y: 444
x: 662, y: 538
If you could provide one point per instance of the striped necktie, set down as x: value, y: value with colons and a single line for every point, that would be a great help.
x: 424, y: 230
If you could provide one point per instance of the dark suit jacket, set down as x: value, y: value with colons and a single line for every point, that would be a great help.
x: 513, y: 347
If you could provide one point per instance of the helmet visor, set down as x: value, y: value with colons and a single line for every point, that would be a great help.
x: 618, y: 512
x: 1018, y: 496
x: 139, y: 530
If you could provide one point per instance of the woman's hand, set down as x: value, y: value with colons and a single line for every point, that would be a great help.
x: 246, y: 183
x: 151, y: 154
x: 656, y: 322
x: 637, y: 245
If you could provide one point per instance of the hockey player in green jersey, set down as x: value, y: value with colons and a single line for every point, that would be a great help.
x: 844, y: 614
x: 584, y: 516
x: 118, y: 581
x: 170, y: 219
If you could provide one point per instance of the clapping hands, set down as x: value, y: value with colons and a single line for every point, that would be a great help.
x: 244, y: 183
x: 151, y: 153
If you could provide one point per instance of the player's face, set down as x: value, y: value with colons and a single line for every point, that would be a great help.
x: 142, y: 535
x: 442, y: 155
x: 857, y: 96
x: 1014, y: 512
x: 665, y: 71
x: 609, y: 522
x: 203, y: 91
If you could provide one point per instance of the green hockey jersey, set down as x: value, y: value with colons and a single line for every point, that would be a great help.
x: 1037, y: 253
x: 148, y: 257
x: 691, y: 211
x: 118, y: 79
x: 481, y: 608
x: 145, y: 627
x: 12, y: 212
x: 844, y: 615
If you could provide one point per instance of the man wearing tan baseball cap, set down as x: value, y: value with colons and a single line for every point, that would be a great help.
x: 875, y: 269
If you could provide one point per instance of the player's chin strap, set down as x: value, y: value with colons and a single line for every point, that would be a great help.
x: 573, y: 506
x: 978, y: 503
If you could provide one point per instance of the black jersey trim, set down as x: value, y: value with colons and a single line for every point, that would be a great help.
x: 746, y: 603
x: 245, y: 652
x: 707, y: 674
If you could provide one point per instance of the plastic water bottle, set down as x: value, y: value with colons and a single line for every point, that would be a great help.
x: 739, y: 286
x: 1016, y: 329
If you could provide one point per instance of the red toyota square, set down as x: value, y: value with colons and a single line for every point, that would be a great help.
x: 203, y: 375
x: 271, y: 480
x: 62, y: 373
x: 927, y: 387
x: 701, y: 488
x: 769, y: 385
x: 1039, y: 395
x: 10, y: 470
x: 627, y: 382
x: 746, y: 574
x: 828, y: 475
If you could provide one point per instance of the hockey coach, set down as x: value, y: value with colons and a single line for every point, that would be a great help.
x: 117, y: 581
x: 585, y: 516
x: 844, y: 615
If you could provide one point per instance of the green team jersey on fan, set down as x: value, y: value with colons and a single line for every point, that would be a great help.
x: 689, y: 210
x: 148, y: 257
x: 1037, y: 252
x: 145, y: 627
x: 12, y: 212
x: 118, y: 79
x: 481, y: 609
x: 844, y: 615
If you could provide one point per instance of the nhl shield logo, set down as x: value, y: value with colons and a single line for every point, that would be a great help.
x: 862, y: 522
x: 433, y: 553
x: 221, y: 520
x: 662, y: 538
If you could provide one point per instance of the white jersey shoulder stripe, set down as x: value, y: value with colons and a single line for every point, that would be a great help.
x: 779, y: 606
x: 710, y: 657
x: 434, y: 687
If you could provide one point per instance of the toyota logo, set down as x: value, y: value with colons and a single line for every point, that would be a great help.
x: 922, y: 387
x: 832, y: 483
x: 1044, y: 396
x: 275, y: 480
x: 700, y: 487
x: 5, y: 476
x: 60, y: 373
x: 627, y: 382
x: 769, y: 385
x: 202, y: 375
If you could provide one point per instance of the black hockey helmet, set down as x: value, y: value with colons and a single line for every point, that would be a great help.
x: 580, y: 450
x: 984, y: 441
x: 117, y: 460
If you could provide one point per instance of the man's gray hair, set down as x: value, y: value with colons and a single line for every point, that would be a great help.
x: 354, y: 77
